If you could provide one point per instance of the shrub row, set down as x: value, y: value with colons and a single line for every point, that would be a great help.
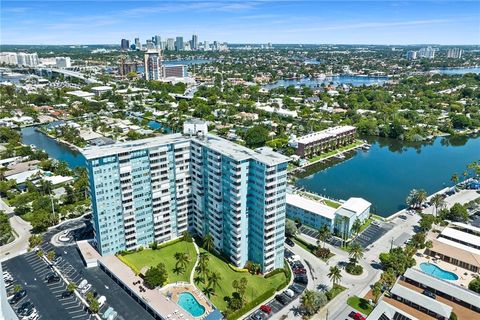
x: 236, y: 269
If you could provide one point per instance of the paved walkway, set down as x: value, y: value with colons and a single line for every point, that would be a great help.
x: 20, y: 244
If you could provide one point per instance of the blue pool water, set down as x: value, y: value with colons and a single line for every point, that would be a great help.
x: 187, y: 301
x: 437, y: 272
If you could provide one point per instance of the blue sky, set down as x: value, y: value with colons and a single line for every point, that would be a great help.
x: 236, y: 21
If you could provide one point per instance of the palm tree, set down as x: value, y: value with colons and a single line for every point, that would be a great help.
x: 324, y: 234
x: 308, y: 301
x: 202, y: 267
x: 416, y: 198
x: 357, y: 225
x: 208, y: 243
x: 208, y: 291
x: 454, y: 178
x: 437, y: 202
x: 356, y: 252
x: 182, y: 259
x: 376, y: 291
x: 335, y: 274
x: 213, y: 279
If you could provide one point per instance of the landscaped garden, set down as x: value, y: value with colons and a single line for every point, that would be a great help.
x: 360, y: 304
x: 177, y: 271
x: 255, y: 288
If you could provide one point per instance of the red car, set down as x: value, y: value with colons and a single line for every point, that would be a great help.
x: 358, y: 316
x: 299, y: 271
x: 266, y: 309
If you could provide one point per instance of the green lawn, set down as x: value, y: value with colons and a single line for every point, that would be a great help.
x: 257, y: 285
x: 335, y: 291
x: 149, y: 258
x: 333, y: 152
x: 331, y: 203
x: 360, y: 304
x: 310, y: 248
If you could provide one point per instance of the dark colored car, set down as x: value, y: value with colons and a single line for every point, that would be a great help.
x: 18, y: 296
x: 295, y: 289
x: 300, y: 278
x: 52, y: 277
x: 25, y: 308
x: 299, y: 271
x: 290, y: 242
x: 429, y: 294
x: 66, y: 294
x: 282, y: 299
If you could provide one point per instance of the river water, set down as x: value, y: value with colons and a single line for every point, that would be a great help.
x: 355, y: 81
x: 386, y: 173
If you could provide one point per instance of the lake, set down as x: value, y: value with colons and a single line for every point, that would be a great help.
x: 355, y: 81
x: 457, y: 71
x: 386, y: 173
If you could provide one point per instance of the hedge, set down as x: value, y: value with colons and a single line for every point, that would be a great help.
x: 236, y: 269
x: 252, y: 304
x: 137, y: 272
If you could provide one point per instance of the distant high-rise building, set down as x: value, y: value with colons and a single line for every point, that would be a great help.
x: 63, y: 62
x: 170, y: 44
x: 158, y: 42
x: 125, y: 44
x: 454, y: 53
x: 428, y: 53
x: 138, y: 45
x: 150, y: 45
x: 411, y: 55
x: 194, y: 45
x: 126, y: 66
x: 9, y: 58
x: 206, y: 46
x: 179, y: 44
x: 153, y: 64
x: 27, y: 59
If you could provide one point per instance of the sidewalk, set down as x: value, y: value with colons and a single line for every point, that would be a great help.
x: 20, y: 244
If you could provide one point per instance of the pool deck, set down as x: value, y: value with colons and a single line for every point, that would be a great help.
x: 464, y: 275
x: 174, y: 289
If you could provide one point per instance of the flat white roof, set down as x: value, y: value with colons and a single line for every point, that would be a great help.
x: 80, y: 93
x: 459, y: 246
x: 466, y: 226
x: 324, y: 134
x: 422, y: 300
x: 462, y: 236
x: 452, y: 290
x: 311, y: 205
x: 357, y: 205
x: 385, y: 308
x: 102, y: 88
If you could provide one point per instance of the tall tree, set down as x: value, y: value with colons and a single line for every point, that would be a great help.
x: 335, y: 275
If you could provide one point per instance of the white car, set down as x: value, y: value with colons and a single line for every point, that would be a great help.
x: 82, y: 284
x: 86, y: 288
x: 290, y: 293
x: 101, y: 301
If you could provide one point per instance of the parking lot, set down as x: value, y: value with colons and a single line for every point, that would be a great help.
x: 334, y: 241
x: 372, y: 233
x: 281, y: 300
x: 29, y: 271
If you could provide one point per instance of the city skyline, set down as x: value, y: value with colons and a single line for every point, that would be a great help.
x: 285, y: 22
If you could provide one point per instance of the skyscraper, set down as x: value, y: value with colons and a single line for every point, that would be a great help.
x: 194, y: 45
x: 153, y: 64
x: 179, y: 44
x: 138, y: 45
x: 125, y: 44
x: 427, y: 52
x: 170, y: 44
x: 158, y: 42
x: 411, y: 55
x: 454, y: 53
x: 155, y: 189
x: 150, y: 45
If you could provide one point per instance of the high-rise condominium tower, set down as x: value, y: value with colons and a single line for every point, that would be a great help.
x: 155, y: 189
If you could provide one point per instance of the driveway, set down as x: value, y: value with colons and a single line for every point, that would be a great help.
x: 20, y: 244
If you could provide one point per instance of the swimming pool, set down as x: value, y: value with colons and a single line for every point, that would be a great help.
x: 437, y: 272
x: 187, y: 301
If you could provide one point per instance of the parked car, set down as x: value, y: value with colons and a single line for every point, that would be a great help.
x: 101, y: 301
x: 25, y: 308
x: 52, y: 277
x: 429, y: 294
x: 300, y: 278
x: 357, y: 315
x: 282, y: 299
x: 82, y: 284
x: 290, y: 242
x: 295, y: 289
x: 266, y: 309
x: 18, y: 296
x: 66, y: 294
x: 299, y: 271
x: 289, y: 293
x: 85, y: 289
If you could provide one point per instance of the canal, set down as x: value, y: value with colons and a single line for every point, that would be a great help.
x: 385, y: 174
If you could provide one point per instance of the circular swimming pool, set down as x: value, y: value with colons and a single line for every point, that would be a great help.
x: 437, y: 272
x: 187, y: 301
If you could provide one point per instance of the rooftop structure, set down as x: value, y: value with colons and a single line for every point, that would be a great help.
x: 318, y: 142
x: 385, y: 311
